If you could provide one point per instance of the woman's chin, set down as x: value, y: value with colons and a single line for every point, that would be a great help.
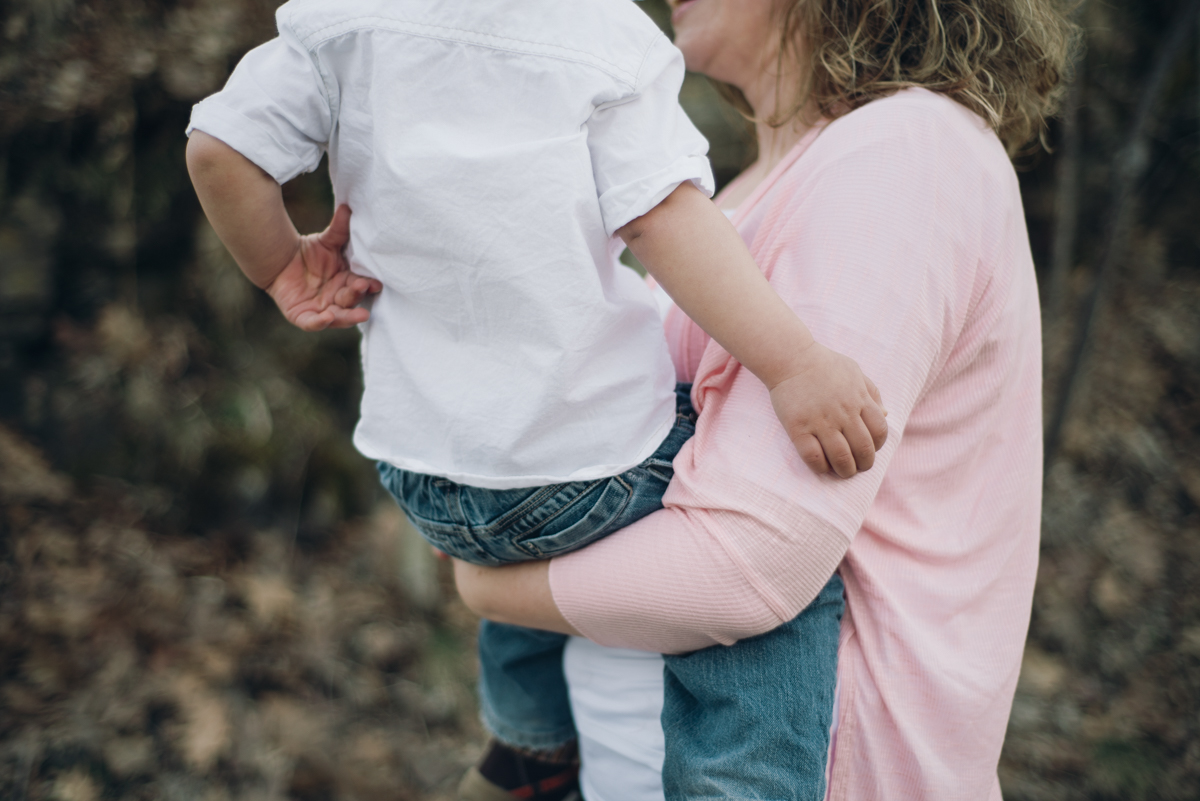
x: 693, y: 36
x: 680, y: 10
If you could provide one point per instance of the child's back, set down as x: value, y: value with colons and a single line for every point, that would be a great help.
x: 489, y: 151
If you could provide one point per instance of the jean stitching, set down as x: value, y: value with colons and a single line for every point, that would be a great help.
x: 421, y: 521
x: 454, y: 536
x: 472, y: 533
x: 526, y: 508
x: 446, y: 487
x: 425, y: 524
x: 529, y: 504
x: 535, y: 551
x: 448, y: 537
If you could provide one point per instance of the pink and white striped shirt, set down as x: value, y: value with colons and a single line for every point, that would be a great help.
x: 897, y: 234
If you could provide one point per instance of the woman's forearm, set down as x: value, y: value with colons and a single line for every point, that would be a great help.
x: 668, y: 583
x: 662, y: 585
x: 517, y: 594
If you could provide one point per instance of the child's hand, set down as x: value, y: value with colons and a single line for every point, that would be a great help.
x: 832, y: 413
x: 316, y: 290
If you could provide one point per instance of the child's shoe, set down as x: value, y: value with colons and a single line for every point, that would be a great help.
x: 506, y: 773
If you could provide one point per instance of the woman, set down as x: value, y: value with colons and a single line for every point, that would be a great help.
x: 883, y: 207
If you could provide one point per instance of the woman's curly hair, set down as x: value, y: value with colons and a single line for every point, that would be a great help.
x: 1003, y: 59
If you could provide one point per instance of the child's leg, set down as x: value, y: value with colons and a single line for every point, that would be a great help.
x: 522, y: 690
x: 494, y: 527
x: 752, y: 720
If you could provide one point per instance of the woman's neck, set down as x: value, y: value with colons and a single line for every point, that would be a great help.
x: 772, y: 93
x: 774, y: 142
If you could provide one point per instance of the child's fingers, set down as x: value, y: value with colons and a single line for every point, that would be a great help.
x: 366, y: 286
x: 345, y: 318
x: 811, y: 453
x: 874, y: 390
x: 861, y: 443
x: 838, y: 452
x: 355, y: 290
x: 876, y: 424
x: 348, y: 296
x: 312, y: 320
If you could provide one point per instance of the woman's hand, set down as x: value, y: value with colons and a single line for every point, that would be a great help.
x: 515, y: 594
x: 316, y: 289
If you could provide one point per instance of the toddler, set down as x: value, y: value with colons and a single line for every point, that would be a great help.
x: 519, y: 397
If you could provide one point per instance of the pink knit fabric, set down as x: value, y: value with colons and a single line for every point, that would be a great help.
x: 897, y: 234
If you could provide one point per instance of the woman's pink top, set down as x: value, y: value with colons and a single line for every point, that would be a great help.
x: 896, y: 233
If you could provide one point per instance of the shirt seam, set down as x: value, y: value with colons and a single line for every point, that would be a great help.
x: 326, y: 81
x: 637, y: 78
x: 411, y: 28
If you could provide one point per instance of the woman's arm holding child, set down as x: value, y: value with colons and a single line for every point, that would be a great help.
x: 307, y: 276
x: 831, y: 411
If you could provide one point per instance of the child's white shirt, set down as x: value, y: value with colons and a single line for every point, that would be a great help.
x: 488, y: 151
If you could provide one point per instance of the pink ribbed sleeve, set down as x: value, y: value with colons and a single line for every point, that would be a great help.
x: 897, y: 235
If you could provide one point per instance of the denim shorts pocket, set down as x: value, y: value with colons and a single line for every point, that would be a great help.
x: 452, y: 540
x: 589, y: 516
x: 431, y: 504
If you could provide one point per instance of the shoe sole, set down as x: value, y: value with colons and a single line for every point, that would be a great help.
x: 474, y: 787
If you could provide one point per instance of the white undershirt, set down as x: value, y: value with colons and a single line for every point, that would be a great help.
x: 617, y: 699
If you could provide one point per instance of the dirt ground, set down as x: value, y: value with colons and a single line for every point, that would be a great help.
x: 237, y: 665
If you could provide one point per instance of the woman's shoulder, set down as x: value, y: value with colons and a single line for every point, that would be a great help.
x: 918, y: 143
x: 918, y: 125
x: 916, y: 110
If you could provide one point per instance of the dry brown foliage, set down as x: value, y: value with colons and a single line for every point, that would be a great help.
x: 143, y: 665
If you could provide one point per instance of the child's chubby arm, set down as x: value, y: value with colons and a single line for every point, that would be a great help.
x: 307, y: 276
x: 830, y: 410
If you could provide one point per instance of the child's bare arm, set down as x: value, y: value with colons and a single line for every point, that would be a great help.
x: 831, y: 411
x: 307, y: 276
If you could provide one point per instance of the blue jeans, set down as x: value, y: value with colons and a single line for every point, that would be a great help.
x: 523, y: 693
x: 752, y: 720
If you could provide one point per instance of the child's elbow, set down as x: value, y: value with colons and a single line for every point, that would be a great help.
x: 206, y: 155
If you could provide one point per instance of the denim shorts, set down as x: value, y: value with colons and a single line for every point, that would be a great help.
x: 746, y: 721
x: 497, y: 527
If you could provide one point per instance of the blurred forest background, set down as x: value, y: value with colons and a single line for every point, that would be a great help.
x: 203, y: 595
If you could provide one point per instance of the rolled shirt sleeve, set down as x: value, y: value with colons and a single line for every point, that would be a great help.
x: 643, y: 145
x: 276, y: 109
